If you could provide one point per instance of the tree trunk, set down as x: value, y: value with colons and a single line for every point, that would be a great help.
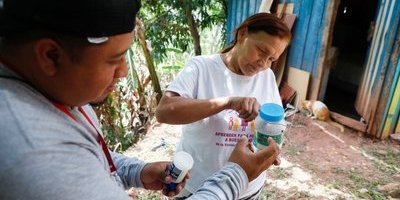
x: 149, y: 60
x: 193, y: 29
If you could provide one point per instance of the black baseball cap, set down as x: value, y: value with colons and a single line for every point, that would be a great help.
x: 92, y: 19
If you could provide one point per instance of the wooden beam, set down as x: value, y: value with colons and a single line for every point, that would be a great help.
x: 265, y: 6
x: 298, y: 79
x: 332, y: 8
x: 349, y: 122
x: 395, y: 138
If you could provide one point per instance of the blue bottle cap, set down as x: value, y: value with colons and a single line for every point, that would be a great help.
x: 271, y: 112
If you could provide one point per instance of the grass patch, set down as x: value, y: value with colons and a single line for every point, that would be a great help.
x: 355, y: 182
x: 280, y: 173
x: 337, y: 184
x: 293, y: 150
x: 274, y: 193
x: 148, y: 195
x: 389, y: 156
x: 270, y: 193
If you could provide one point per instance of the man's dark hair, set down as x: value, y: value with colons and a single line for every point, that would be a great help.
x: 74, y: 24
x: 74, y: 46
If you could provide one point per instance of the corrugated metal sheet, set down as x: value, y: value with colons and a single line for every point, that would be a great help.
x: 376, y: 96
x: 398, y: 126
x: 373, y: 64
x: 392, y: 116
x: 373, y: 95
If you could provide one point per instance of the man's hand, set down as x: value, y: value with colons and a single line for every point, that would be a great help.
x: 154, y: 177
x: 247, y: 107
x: 254, y: 163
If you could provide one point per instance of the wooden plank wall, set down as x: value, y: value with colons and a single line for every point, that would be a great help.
x: 305, y: 49
x: 398, y: 126
x: 306, y: 52
x: 392, y: 112
x: 238, y: 11
x: 382, y: 93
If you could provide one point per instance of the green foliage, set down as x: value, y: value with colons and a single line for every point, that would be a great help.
x: 128, y: 111
x: 142, y: 194
x: 171, y: 68
x: 166, y: 24
x: 151, y: 196
x: 174, y: 61
x: 114, y: 131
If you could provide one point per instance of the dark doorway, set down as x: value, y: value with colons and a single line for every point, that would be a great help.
x: 351, y: 37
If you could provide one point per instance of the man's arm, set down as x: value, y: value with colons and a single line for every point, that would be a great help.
x: 225, y: 184
x: 66, y: 172
x: 128, y: 169
x: 151, y: 176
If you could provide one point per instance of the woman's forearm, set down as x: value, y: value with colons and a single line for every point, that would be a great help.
x: 180, y: 110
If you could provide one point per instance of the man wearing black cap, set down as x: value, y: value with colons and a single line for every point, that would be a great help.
x: 56, y: 56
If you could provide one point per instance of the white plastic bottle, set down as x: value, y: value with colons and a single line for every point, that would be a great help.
x: 181, y: 164
x: 269, y: 123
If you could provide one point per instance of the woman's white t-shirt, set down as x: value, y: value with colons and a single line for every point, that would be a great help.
x: 211, y: 140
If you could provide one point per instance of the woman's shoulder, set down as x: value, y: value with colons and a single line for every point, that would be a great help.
x: 268, y: 73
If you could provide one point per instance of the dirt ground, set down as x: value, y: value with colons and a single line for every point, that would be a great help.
x: 318, y: 162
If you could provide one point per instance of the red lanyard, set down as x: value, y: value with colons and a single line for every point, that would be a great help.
x: 100, y: 139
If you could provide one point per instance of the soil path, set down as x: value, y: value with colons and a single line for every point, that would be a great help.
x: 318, y: 162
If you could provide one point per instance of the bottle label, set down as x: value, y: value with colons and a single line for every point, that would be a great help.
x: 263, y: 138
x: 173, y: 171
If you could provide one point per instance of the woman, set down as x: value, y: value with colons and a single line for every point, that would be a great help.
x: 217, y: 97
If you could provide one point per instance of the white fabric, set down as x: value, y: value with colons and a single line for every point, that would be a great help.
x: 211, y: 140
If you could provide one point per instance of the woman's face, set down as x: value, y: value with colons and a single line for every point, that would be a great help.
x: 256, y: 52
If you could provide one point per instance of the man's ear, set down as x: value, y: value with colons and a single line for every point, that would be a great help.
x: 47, y: 52
x: 242, y: 33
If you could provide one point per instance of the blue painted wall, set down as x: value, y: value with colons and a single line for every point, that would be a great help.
x: 238, y: 11
x: 389, y: 44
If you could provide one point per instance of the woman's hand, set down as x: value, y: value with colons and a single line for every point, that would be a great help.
x: 247, y: 107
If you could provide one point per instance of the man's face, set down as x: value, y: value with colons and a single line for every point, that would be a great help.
x: 95, y: 74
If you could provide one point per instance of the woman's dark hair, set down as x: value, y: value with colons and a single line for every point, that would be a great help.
x: 265, y: 22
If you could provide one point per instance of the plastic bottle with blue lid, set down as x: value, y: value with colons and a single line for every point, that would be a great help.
x: 269, y: 123
x: 179, y: 167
